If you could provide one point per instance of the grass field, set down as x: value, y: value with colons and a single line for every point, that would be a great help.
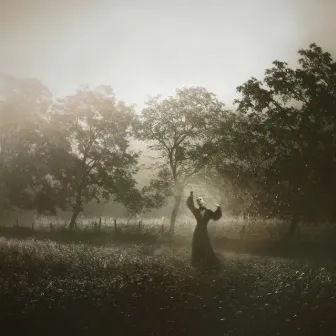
x: 76, y: 289
x: 230, y: 227
x: 253, y: 236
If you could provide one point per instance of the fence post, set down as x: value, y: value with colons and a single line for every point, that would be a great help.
x: 100, y: 224
x: 139, y: 225
x: 115, y: 226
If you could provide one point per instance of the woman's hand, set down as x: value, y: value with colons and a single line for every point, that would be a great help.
x: 217, y: 205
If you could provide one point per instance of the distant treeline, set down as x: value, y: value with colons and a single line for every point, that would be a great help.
x: 274, y: 156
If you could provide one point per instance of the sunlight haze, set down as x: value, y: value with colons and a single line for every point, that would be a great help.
x: 144, y: 48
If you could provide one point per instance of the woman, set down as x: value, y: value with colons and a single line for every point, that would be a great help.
x: 202, y: 253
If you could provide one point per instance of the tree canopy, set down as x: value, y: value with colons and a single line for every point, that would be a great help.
x: 276, y: 153
x: 24, y: 105
x: 181, y: 129
x: 284, y: 138
x: 89, y: 135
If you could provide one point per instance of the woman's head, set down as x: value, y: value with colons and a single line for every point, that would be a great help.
x: 200, y: 201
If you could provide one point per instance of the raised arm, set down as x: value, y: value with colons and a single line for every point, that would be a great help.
x: 190, y: 204
x: 217, y: 214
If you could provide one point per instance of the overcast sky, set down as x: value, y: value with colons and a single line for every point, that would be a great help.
x: 147, y: 47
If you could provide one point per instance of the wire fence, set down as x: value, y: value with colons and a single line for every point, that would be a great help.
x: 228, y: 227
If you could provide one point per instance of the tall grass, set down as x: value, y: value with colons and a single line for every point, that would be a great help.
x: 252, y: 235
x: 56, y: 289
x: 253, y: 229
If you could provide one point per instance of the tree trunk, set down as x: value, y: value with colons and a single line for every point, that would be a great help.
x: 292, y: 228
x: 77, y: 210
x: 176, y: 206
x: 73, y: 219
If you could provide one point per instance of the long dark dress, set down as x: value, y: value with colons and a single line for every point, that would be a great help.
x: 202, y: 253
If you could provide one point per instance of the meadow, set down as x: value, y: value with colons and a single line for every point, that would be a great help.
x: 257, y: 229
x: 131, y: 284
x: 54, y: 288
x: 234, y: 234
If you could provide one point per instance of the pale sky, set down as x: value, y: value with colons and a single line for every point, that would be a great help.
x: 147, y: 47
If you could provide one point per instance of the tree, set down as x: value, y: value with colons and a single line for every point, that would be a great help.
x: 228, y: 174
x: 288, y: 138
x: 89, y: 135
x: 24, y: 105
x: 181, y: 129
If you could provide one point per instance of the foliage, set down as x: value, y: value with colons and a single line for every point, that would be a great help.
x: 24, y: 107
x: 285, y: 138
x: 181, y: 129
x: 89, y: 135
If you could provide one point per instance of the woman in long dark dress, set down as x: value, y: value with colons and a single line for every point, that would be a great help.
x: 202, y: 253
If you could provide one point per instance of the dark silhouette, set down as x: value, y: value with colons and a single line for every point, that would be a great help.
x: 202, y: 252
x: 285, y: 136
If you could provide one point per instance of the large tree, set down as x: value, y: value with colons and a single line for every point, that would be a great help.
x: 287, y: 138
x: 180, y: 129
x: 24, y: 105
x: 89, y: 135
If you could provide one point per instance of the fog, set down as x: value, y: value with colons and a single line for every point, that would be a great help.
x: 143, y: 48
x: 150, y: 47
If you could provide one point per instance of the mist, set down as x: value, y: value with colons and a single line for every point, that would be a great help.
x: 182, y: 214
x: 149, y: 47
